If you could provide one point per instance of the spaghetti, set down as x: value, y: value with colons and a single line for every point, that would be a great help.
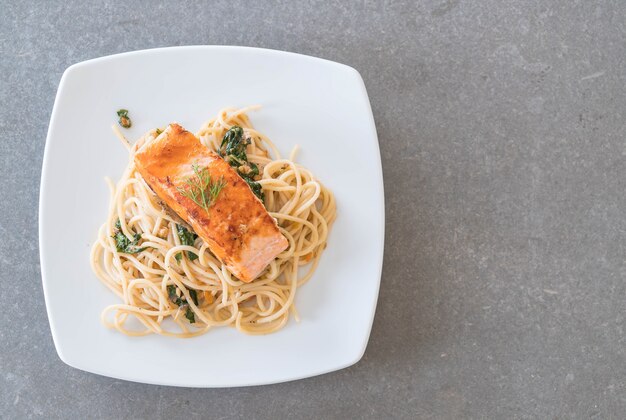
x: 206, y: 294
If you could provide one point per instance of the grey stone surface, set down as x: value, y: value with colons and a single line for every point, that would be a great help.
x: 501, y: 129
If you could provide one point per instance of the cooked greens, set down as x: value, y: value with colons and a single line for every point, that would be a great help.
x: 171, y: 293
x: 182, y: 301
x: 233, y: 150
x: 124, y: 244
x: 124, y: 119
x: 186, y: 237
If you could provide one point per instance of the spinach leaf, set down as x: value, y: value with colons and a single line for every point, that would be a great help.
x: 233, y: 144
x: 190, y: 315
x: 186, y: 237
x: 181, y: 301
x: 124, y: 244
x: 233, y: 150
x: 194, y: 296
x: 256, y: 188
x: 171, y: 293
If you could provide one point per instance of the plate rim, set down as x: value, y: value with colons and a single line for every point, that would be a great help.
x: 44, y: 264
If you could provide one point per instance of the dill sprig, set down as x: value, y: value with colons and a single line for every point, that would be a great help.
x: 200, y: 189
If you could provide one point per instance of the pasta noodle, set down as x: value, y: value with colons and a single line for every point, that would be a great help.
x: 303, y: 207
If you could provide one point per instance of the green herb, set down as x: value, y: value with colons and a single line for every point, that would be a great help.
x: 233, y: 150
x: 190, y: 315
x: 158, y: 131
x: 124, y: 119
x: 186, y: 237
x: 256, y: 188
x: 233, y: 144
x: 124, y: 244
x: 194, y: 296
x: 201, y: 189
x: 171, y: 293
x: 181, y: 301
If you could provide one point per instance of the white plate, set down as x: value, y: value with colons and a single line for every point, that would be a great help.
x: 320, y: 105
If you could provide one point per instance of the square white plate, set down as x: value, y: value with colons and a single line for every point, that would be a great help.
x: 320, y: 105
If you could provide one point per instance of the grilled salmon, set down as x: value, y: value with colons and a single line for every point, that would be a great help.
x: 236, y: 226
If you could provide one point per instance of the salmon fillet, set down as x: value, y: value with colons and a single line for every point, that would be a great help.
x: 236, y: 227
